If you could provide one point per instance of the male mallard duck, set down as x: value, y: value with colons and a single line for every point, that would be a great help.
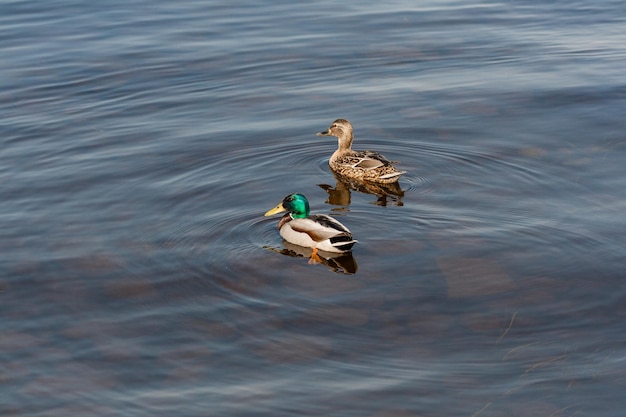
x: 317, y: 231
x: 361, y: 165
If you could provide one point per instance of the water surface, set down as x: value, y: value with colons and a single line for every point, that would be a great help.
x: 142, y: 142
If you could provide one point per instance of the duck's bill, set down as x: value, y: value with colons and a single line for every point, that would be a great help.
x: 324, y: 133
x: 278, y: 209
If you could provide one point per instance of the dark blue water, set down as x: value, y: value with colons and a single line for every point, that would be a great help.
x: 141, y: 143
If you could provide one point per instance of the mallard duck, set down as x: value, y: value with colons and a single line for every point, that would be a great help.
x: 360, y: 165
x: 317, y: 231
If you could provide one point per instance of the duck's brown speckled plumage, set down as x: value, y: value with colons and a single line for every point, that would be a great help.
x: 361, y: 165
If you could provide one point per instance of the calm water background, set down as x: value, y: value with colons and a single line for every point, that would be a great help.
x: 142, y: 141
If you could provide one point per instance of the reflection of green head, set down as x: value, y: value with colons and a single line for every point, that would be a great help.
x: 297, y: 205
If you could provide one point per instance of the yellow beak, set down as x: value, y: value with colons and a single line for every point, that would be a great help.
x: 278, y: 209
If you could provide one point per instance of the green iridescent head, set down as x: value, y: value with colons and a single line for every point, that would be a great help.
x: 295, y: 204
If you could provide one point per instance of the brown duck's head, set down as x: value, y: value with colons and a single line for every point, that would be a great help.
x: 342, y: 130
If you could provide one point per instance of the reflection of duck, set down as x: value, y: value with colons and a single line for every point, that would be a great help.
x: 316, y: 231
x: 340, y: 195
x: 339, y: 262
x: 362, y: 165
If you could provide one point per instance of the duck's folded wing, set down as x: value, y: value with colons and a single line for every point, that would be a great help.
x: 369, y: 163
x: 361, y: 162
x: 319, y: 227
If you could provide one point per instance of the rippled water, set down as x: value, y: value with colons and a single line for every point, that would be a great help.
x: 142, y: 142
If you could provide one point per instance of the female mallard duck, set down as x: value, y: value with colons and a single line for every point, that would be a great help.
x: 361, y: 165
x: 317, y: 231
